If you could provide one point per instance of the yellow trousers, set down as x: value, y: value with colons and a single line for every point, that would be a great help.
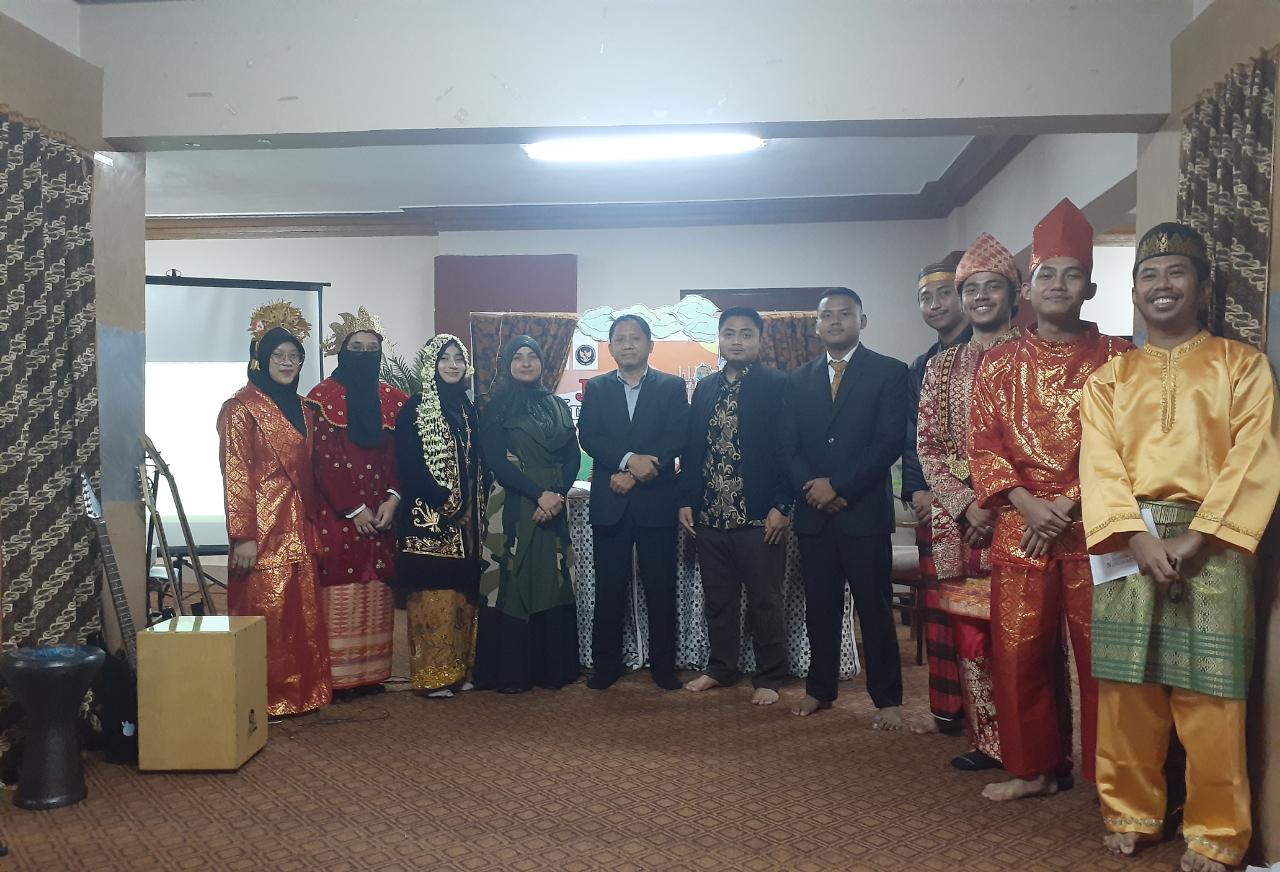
x: 1133, y: 736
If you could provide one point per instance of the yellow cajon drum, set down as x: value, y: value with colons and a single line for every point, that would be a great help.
x: 202, y: 692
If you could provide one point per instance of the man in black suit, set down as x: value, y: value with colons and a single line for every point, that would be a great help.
x: 849, y: 410
x: 735, y: 498
x: 633, y: 424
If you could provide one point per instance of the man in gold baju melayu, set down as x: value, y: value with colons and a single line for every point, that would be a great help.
x: 1185, y: 430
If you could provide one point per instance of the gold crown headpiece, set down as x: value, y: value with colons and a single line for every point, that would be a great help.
x: 1171, y: 238
x: 360, y: 322
x: 277, y: 314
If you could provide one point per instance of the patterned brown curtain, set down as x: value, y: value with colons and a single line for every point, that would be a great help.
x: 490, y: 331
x: 1224, y: 191
x: 788, y: 339
x: 48, y: 393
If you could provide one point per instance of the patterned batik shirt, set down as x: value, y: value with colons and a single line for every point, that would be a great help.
x: 724, y: 505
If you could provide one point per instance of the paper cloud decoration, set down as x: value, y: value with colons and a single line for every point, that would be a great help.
x: 696, y: 317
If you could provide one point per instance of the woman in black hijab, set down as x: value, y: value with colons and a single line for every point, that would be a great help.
x: 355, y: 470
x: 440, y: 522
x: 281, y: 383
x: 266, y: 433
x: 527, y: 437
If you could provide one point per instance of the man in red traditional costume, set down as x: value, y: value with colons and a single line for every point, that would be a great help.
x: 355, y: 470
x: 987, y: 282
x: 266, y: 433
x: 1025, y: 462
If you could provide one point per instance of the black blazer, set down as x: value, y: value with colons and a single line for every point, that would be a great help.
x: 854, y: 440
x: 761, y: 429
x: 658, y: 428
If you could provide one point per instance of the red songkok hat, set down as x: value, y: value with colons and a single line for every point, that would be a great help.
x: 987, y: 255
x: 1064, y: 232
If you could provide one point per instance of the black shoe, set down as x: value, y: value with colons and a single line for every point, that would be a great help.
x: 667, y: 680
x: 975, y: 761
x: 603, y: 680
x: 1065, y: 782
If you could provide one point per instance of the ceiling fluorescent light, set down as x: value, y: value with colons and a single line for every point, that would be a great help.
x: 664, y: 146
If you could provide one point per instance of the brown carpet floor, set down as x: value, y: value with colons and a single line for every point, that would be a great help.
x: 631, y: 779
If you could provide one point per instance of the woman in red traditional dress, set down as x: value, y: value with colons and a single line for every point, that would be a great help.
x: 265, y: 433
x: 355, y: 470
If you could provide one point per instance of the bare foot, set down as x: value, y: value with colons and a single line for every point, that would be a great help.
x: 701, y: 683
x: 1021, y: 788
x: 808, y: 706
x: 923, y: 726
x: 889, y: 719
x: 764, y: 696
x: 1193, y: 862
x: 1121, y: 843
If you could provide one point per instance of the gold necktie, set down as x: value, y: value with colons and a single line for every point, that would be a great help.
x: 838, y: 373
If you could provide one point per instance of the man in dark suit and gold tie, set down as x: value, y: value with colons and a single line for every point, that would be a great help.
x: 633, y: 424
x: 849, y: 410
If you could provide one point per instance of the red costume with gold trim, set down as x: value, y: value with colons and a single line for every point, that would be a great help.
x: 1025, y: 432
x: 270, y: 492
x: 349, y: 476
x: 963, y: 571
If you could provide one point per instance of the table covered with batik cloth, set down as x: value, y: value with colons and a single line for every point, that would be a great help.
x: 692, y: 646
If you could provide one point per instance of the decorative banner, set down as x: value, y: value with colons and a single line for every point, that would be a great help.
x: 696, y: 317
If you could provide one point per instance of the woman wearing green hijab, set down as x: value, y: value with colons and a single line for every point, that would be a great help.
x: 527, y: 437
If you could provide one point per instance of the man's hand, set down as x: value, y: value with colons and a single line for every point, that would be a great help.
x: 621, y: 483
x: 981, y: 523
x: 1187, y: 547
x: 643, y: 466
x: 1035, y: 545
x: 922, y: 505
x: 775, y: 527
x: 1154, y: 559
x: 839, y: 504
x: 243, y: 555
x: 819, y: 493
x: 1048, y: 520
x: 386, y: 513
x: 685, y: 517
x: 365, y: 522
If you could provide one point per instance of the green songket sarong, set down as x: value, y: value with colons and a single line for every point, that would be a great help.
x: 1202, y: 643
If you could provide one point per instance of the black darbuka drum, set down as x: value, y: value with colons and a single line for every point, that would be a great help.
x: 49, y: 682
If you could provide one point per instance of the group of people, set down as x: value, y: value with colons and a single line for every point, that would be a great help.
x: 1023, y: 453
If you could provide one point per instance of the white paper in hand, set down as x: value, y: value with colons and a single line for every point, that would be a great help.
x: 1119, y: 564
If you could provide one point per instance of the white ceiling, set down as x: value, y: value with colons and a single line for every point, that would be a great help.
x: 386, y: 178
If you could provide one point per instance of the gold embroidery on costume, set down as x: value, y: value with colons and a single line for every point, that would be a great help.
x: 1218, y: 519
x: 1230, y: 855
x: 957, y: 464
x: 1107, y: 522
x: 434, y: 539
x: 1169, y: 377
x: 1125, y: 821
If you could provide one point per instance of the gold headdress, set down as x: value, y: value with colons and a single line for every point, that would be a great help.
x: 273, y: 315
x: 360, y: 322
x: 1171, y: 238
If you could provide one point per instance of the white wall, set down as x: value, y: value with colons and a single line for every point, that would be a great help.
x: 392, y: 276
x: 880, y: 260
x: 252, y: 67
x: 56, y: 20
x: 1083, y: 167
x: 1112, y: 308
